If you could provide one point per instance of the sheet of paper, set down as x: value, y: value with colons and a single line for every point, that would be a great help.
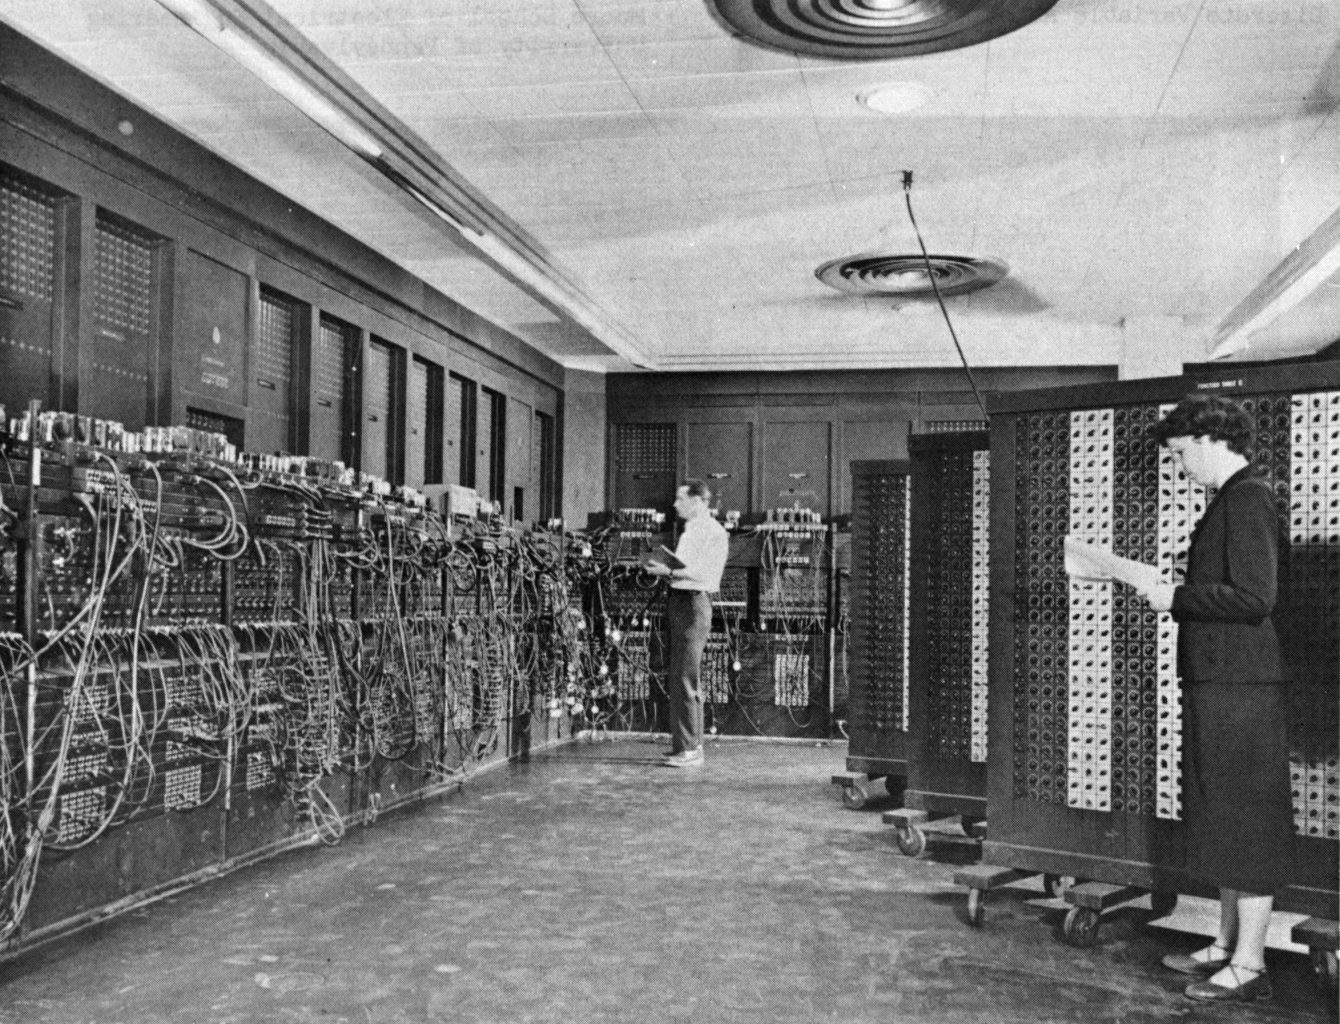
x: 1089, y: 562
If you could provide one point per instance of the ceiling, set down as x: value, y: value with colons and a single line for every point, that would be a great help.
x: 1141, y: 165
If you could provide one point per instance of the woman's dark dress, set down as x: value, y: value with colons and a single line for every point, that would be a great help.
x: 1236, y: 796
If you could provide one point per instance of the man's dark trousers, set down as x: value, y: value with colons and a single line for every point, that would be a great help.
x: 688, y: 616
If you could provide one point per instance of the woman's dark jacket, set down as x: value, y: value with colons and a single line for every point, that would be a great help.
x: 1223, y: 608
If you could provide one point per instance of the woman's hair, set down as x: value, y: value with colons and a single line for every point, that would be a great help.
x: 697, y: 489
x: 1219, y: 419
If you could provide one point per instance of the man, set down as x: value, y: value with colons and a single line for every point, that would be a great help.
x: 700, y: 558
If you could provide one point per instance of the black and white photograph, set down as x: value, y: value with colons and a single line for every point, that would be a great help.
x: 723, y: 511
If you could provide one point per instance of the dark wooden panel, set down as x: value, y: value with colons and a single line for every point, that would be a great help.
x: 333, y: 344
x: 868, y: 439
x: 210, y: 348
x: 877, y: 661
x: 644, y: 459
x: 942, y: 776
x: 379, y: 380
x: 416, y: 423
x: 719, y: 453
x: 271, y: 380
x: 796, y: 465
x: 125, y: 861
x: 519, y: 483
x: 115, y: 356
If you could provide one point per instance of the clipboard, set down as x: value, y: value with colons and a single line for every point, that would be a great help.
x: 670, y: 559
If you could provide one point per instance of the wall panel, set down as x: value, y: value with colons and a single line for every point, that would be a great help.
x: 796, y: 465
x: 720, y: 453
x: 865, y: 440
x: 520, y: 430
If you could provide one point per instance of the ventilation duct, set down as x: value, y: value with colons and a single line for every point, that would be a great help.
x: 875, y: 29
x: 905, y: 276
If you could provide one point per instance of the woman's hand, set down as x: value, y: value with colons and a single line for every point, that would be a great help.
x: 1160, y: 597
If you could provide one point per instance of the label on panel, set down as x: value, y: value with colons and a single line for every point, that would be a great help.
x: 377, y: 409
x: 795, y: 466
x: 27, y: 278
x: 214, y: 330
x: 326, y: 441
x: 880, y: 440
x: 114, y: 365
x: 416, y: 416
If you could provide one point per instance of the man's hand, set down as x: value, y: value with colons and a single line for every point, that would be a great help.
x: 656, y: 568
x: 1160, y: 598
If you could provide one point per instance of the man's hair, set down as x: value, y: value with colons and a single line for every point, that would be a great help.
x: 1219, y: 419
x: 697, y: 489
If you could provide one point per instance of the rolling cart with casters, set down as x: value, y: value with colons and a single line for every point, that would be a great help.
x: 855, y: 785
x: 1088, y: 900
x: 1322, y: 939
x: 878, y: 635
x: 1085, y: 703
x: 979, y: 879
x: 947, y: 734
x: 916, y: 828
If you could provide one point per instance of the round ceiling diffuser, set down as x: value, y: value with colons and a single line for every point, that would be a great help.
x: 876, y: 29
x: 879, y: 274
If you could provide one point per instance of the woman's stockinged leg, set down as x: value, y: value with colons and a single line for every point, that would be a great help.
x: 1253, y: 920
x: 1228, y: 919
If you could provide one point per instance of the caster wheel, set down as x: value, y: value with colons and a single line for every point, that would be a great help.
x: 976, y: 907
x: 1081, y: 927
x: 1324, y: 967
x: 1056, y: 885
x: 912, y: 841
x: 853, y: 797
x: 1162, y: 903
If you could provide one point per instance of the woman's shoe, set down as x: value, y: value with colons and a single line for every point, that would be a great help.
x: 1201, y: 968
x: 1248, y: 985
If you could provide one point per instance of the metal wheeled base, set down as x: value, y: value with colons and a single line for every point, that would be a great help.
x: 917, y: 828
x: 1322, y: 939
x: 856, y: 787
x: 1087, y: 900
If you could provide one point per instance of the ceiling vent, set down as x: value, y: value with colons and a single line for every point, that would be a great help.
x: 906, y: 276
x: 875, y: 29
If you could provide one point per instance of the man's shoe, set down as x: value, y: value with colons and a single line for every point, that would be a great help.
x: 684, y: 758
x: 1200, y: 968
x: 1248, y: 985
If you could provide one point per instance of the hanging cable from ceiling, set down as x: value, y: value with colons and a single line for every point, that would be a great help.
x: 930, y: 273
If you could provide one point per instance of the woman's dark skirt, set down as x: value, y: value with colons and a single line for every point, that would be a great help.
x: 1236, y: 796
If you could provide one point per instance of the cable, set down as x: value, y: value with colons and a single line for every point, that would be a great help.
x: 930, y: 273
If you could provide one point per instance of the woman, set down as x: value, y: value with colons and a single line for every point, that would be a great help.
x: 1235, y: 762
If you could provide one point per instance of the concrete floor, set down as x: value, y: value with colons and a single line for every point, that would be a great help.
x: 594, y: 885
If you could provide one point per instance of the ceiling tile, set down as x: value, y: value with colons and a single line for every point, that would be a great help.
x: 706, y: 57
x: 621, y: 24
x: 551, y: 100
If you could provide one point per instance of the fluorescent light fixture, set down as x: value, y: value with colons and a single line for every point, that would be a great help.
x: 1314, y: 261
x: 895, y: 97
x: 206, y: 20
x: 523, y: 270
